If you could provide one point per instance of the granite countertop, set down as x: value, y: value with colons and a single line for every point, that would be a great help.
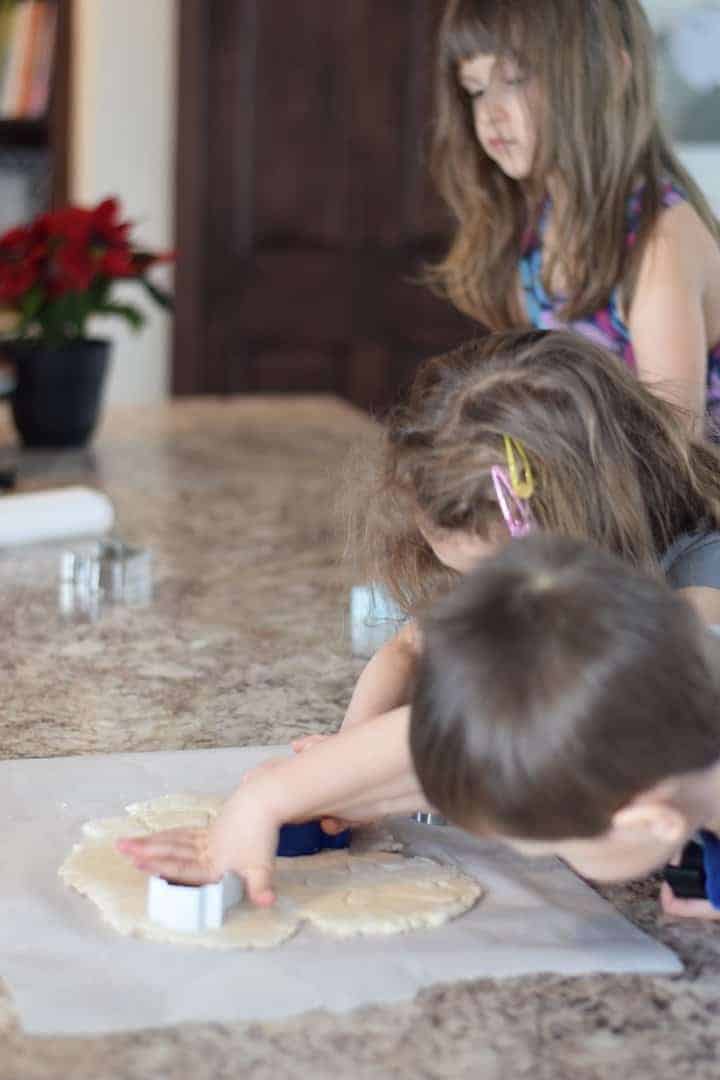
x: 246, y: 642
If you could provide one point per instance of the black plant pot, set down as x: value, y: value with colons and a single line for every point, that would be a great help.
x: 56, y: 401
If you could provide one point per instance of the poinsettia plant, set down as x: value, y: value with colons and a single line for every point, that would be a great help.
x: 60, y: 269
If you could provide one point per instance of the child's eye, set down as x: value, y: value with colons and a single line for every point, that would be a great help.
x: 513, y: 76
x: 474, y: 92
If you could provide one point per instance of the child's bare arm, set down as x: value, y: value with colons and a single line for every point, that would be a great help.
x: 387, y: 681
x: 358, y: 775
x: 667, y: 321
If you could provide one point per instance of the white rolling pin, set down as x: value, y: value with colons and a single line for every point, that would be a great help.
x: 54, y: 515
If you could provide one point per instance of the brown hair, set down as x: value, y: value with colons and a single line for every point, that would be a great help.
x: 555, y: 685
x: 598, y: 130
x: 612, y: 462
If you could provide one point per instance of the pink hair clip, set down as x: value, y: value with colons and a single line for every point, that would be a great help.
x: 516, y: 512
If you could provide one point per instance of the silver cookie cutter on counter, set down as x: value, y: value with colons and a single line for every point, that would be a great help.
x: 103, y: 572
x: 374, y: 619
x: 428, y: 817
x: 191, y: 909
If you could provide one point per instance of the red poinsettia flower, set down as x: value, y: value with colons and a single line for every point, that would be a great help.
x: 72, y: 250
x: 15, y: 240
x: 106, y: 226
x: 19, y: 264
x: 117, y: 263
x: 16, y: 279
x: 73, y: 269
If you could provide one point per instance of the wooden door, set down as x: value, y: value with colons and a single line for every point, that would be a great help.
x: 304, y: 208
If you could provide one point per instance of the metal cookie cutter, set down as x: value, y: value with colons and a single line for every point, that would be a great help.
x: 192, y: 908
x: 104, y: 571
x: 428, y: 818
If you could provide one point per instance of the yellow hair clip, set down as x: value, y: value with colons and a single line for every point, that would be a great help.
x: 522, y: 485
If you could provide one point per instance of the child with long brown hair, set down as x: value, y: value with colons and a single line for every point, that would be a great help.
x: 610, y: 462
x: 520, y: 432
x: 571, y: 207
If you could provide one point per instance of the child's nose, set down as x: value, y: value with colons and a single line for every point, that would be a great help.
x: 495, y: 100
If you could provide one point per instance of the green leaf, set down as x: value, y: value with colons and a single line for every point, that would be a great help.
x: 99, y: 292
x: 160, y: 296
x: 31, y: 304
x: 131, y: 314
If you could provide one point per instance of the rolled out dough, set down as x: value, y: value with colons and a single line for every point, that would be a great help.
x: 342, y: 893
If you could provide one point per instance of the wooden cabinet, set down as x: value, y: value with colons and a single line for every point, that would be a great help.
x: 304, y: 209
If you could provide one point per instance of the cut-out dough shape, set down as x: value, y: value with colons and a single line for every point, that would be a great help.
x: 342, y: 893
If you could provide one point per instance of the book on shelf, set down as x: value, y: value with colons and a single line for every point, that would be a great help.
x: 27, y: 46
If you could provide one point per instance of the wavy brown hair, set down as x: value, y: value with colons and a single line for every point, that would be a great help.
x: 599, y: 132
x: 613, y: 463
x: 549, y: 690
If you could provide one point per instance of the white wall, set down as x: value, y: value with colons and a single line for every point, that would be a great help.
x: 123, y: 144
x: 662, y: 11
x: 701, y: 159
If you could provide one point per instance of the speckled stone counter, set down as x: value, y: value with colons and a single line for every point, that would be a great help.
x: 246, y: 642
x: 245, y: 639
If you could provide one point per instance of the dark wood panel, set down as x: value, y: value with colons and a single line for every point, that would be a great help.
x: 369, y: 380
x: 411, y: 315
x: 60, y: 110
x: 382, y: 138
x: 302, y: 132
x: 321, y: 296
x: 277, y: 368
x: 426, y: 216
x: 301, y: 295
x: 192, y: 360
x: 231, y: 130
x: 302, y: 137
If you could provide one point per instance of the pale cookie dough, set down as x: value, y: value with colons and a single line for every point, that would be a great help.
x: 342, y: 893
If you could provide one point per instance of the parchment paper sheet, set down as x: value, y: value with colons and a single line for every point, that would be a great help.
x: 70, y: 974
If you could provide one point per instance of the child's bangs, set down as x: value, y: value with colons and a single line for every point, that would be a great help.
x: 490, y: 27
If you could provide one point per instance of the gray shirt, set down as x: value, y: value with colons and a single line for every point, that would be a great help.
x: 692, y: 560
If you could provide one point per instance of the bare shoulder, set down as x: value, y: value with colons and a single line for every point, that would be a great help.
x: 681, y: 237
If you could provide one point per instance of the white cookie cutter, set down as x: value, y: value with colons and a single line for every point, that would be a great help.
x: 192, y: 908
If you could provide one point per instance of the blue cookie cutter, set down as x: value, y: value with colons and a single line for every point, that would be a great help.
x: 308, y: 838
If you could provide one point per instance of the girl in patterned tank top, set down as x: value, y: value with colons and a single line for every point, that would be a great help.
x: 572, y: 210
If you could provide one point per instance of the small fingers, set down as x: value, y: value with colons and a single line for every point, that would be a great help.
x: 686, y: 908
x: 172, y: 841
x: 177, y: 869
x: 305, y: 742
x: 177, y: 854
x: 258, y: 885
x: 184, y: 856
x: 332, y: 826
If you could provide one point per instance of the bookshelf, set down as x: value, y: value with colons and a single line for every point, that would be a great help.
x: 34, y: 149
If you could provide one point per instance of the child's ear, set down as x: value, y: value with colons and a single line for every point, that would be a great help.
x: 657, y: 820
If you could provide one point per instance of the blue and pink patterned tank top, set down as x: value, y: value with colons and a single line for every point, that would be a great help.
x: 604, y: 327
